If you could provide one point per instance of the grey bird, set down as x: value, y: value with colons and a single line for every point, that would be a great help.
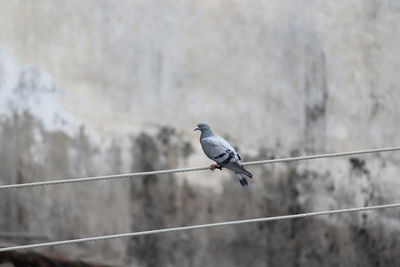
x: 220, y: 151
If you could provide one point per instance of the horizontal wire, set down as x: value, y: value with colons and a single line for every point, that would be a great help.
x: 201, y: 226
x: 129, y: 175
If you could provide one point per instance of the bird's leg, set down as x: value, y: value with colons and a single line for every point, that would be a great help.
x: 215, y: 166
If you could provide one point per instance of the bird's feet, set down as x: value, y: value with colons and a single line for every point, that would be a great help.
x: 215, y: 166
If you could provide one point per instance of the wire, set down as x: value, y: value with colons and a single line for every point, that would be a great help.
x: 128, y: 175
x: 321, y: 156
x: 201, y: 226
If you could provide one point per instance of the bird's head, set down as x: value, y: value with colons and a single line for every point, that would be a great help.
x: 203, y: 127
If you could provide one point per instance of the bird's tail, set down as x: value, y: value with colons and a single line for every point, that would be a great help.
x: 246, y: 172
x: 242, y: 179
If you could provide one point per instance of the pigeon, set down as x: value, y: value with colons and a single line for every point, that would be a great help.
x: 220, y: 151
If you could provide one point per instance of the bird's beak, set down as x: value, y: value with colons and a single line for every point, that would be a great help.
x: 196, y: 129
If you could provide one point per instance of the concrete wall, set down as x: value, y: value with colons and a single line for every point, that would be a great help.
x: 99, y: 87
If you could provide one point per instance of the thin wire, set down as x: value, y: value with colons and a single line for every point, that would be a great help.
x: 201, y: 226
x: 129, y: 175
x: 321, y: 156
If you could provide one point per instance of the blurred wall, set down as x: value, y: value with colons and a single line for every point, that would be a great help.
x: 97, y: 87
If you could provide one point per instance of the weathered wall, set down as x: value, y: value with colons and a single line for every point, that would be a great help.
x: 119, y: 86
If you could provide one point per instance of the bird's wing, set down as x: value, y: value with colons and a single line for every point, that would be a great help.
x: 218, y: 149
